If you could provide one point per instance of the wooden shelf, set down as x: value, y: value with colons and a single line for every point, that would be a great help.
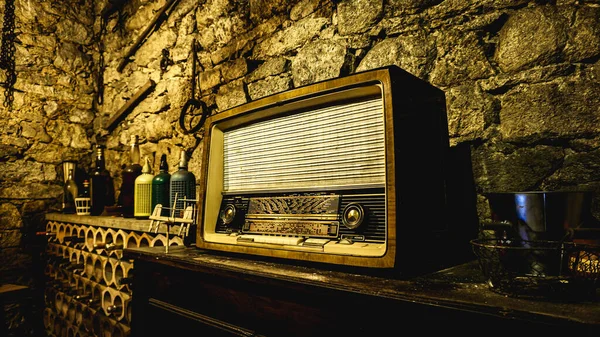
x: 115, y: 222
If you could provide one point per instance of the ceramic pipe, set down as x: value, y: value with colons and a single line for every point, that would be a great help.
x: 176, y: 241
x: 120, y: 306
x: 71, y: 311
x: 122, y: 238
x: 97, y: 324
x: 71, y: 331
x: 78, y: 314
x: 121, y: 330
x: 99, y: 269
x: 48, y: 319
x: 60, y: 232
x: 109, y: 271
x: 59, y: 325
x: 90, y: 234
x: 87, y: 315
x: 145, y: 240
x: 58, y: 302
x: 158, y: 241
x: 89, y: 265
x: 132, y: 240
x: 107, y: 300
x: 98, y: 239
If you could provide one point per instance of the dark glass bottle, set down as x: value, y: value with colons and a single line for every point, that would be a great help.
x: 160, y: 186
x: 70, y: 193
x: 183, y: 186
x: 102, y: 192
x: 130, y: 173
x: 85, y: 191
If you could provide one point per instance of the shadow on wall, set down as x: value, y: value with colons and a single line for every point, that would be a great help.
x: 461, y: 201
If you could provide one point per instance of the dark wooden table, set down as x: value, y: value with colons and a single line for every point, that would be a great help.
x: 11, y: 293
x: 213, y: 294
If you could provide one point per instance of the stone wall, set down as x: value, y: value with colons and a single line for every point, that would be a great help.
x: 520, y: 77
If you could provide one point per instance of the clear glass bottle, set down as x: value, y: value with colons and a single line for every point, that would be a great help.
x: 70, y: 193
x: 102, y: 192
x: 160, y: 186
x: 129, y: 174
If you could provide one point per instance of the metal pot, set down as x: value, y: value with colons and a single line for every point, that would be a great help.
x: 528, y: 219
x: 541, y: 215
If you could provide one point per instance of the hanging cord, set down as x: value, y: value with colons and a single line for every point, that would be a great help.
x: 193, y: 104
x: 100, y: 70
x: 7, y: 52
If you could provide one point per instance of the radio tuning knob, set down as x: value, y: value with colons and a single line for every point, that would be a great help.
x: 228, y: 214
x: 353, y: 215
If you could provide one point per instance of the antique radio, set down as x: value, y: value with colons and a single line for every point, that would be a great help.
x: 348, y: 171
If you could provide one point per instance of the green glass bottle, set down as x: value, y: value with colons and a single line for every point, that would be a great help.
x: 160, y: 186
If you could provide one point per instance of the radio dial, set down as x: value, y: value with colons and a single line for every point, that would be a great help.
x: 228, y: 214
x: 353, y: 215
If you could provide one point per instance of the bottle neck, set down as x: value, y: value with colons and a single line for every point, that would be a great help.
x: 163, y: 168
x: 100, y: 165
x: 134, y: 154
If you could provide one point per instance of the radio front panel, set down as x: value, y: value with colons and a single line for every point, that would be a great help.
x: 312, y: 173
x: 338, y: 218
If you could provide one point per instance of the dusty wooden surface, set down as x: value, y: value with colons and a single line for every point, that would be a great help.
x: 460, y: 288
x: 8, y: 290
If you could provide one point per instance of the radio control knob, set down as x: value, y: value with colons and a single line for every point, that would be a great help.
x: 228, y: 214
x: 353, y: 215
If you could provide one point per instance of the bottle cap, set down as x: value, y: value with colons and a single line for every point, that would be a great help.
x: 146, y: 168
x: 164, y: 166
x: 183, y: 160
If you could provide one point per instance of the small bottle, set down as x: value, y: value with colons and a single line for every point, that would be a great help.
x: 143, y: 192
x: 114, y: 309
x: 85, y: 191
x: 160, y: 186
x: 108, y: 245
x: 183, y: 186
x: 112, y: 246
x: 129, y: 174
x: 50, y: 234
x: 82, y: 297
x: 125, y: 281
x: 102, y: 191
x: 73, y: 239
x: 75, y: 267
x: 70, y: 193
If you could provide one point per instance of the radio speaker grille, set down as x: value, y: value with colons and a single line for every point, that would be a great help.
x: 335, y: 146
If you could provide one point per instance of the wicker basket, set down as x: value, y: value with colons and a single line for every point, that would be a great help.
x: 539, y: 269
